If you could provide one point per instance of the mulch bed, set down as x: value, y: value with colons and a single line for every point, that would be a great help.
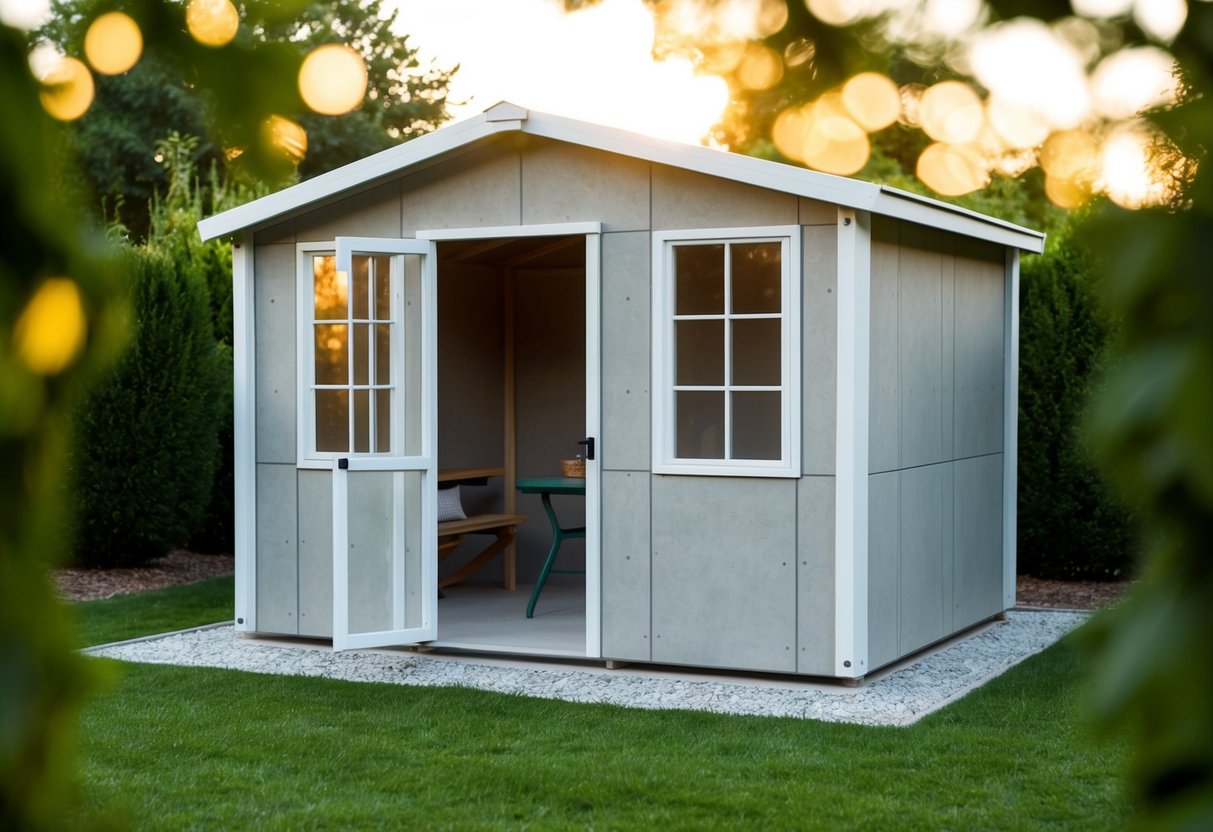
x: 179, y: 567
x: 182, y: 567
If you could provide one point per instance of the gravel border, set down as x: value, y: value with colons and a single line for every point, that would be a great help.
x: 901, y: 695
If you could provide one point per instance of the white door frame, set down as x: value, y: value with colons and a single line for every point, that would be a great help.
x: 592, y: 231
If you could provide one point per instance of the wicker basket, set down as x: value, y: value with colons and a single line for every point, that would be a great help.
x: 573, y: 468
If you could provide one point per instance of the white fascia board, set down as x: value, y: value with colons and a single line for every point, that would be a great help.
x: 904, y: 205
x: 761, y: 173
x: 364, y: 171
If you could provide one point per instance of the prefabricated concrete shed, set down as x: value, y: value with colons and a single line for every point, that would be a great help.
x: 800, y: 391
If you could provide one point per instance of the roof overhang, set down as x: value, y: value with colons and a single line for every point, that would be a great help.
x: 509, y: 118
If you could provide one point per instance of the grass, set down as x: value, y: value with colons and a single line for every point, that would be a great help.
x: 175, y: 608
x: 181, y: 748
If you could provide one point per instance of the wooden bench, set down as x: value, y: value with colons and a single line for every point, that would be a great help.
x: 452, y: 532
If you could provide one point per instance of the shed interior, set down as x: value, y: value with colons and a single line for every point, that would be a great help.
x: 511, y: 396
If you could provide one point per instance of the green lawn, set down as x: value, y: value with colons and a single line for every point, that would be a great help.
x: 177, y: 748
x: 175, y: 608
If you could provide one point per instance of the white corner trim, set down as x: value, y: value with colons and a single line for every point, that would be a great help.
x: 1010, y: 428
x: 552, y: 229
x: 244, y: 440
x: 593, y: 426
x: 851, y: 446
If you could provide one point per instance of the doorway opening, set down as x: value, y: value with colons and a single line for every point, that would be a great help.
x: 512, y: 369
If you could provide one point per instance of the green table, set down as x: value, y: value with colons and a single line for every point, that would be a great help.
x: 546, y: 487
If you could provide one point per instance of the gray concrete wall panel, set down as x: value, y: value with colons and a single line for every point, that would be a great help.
x: 316, y: 553
x: 815, y: 609
x: 276, y: 369
x: 884, y: 580
x: 819, y: 365
x: 948, y: 295
x: 568, y: 183
x: 884, y: 429
x: 626, y: 564
x: 277, y: 550
x: 921, y: 558
x: 977, y: 533
x: 815, y: 212
x: 371, y: 213
x: 920, y: 349
x: 626, y: 360
x: 979, y: 349
x: 724, y: 558
x: 684, y: 199
x: 283, y: 232
x: 477, y: 189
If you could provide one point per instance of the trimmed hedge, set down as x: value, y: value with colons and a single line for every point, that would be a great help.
x: 1070, y: 524
x: 146, y: 438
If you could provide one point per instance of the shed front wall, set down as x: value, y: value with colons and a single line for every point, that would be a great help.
x: 936, y: 455
x: 749, y: 584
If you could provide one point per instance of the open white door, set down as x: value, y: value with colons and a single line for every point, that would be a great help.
x: 385, y: 532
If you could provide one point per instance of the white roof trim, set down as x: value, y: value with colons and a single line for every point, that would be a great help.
x: 506, y: 117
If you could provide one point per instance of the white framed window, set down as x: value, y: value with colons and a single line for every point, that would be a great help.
x: 726, y: 352
x: 348, y: 333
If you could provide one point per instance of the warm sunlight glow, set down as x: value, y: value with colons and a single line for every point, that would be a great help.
x: 1132, y: 81
x: 67, y: 89
x: 872, y: 100
x: 113, y: 43
x: 24, y: 14
x: 1070, y: 154
x: 1025, y: 63
x: 1161, y: 19
x: 951, y: 171
x: 837, y: 12
x: 596, y: 64
x: 1066, y: 193
x: 51, y: 329
x: 1126, y: 173
x: 1102, y: 8
x: 1017, y: 127
x: 951, y: 112
x: 332, y: 79
x: 760, y: 68
x: 212, y: 22
x: 285, y: 137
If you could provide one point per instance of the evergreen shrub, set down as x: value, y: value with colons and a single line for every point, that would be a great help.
x: 1071, y: 525
x: 146, y: 441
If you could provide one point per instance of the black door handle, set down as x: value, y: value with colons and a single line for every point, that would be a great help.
x: 589, y: 446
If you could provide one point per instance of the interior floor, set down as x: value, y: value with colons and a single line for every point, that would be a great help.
x: 491, y: 619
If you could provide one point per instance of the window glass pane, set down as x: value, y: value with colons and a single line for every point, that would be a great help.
x: 383, y: 354
x: 332, y: 355
x: 700, y: 352
x: 383, y: 288
x: 700, y: 424
x: 329, y: 288
x: 362, y: 421
x: 362, y: 287
x: 756, y: 277
x: 699, y: 279
x: 362, y: 353
x: 383, y: 421
x: 756, y: 427
x: 332, y: 420
x: 756, y: 351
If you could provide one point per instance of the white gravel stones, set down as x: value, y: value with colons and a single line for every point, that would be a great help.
x: 901, y: 696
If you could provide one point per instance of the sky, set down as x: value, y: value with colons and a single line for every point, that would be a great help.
x: 594, y: 65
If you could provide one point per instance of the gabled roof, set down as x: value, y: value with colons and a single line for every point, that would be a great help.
x: 509, y: 118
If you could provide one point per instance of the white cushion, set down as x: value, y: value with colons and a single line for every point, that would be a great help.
x: 450, y: 504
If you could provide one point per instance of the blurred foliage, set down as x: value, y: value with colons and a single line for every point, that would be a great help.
x: 146, y: 438
x: 1070, y: 524
x: 116, y: 140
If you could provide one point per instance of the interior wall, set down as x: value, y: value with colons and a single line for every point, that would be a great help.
x: 549, y: 362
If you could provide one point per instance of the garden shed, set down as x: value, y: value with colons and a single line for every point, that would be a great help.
x: 795, y: 394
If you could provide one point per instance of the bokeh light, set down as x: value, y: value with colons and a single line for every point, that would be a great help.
x: 760, y: 68
x: 951, y: 112
x: 1066, y: 193
x: 1161, y: 19
x: 212, y: 22
x: 50, y: 331
x: 332, y: 79
x: 950, y: 170
x: 872, y: 100
x: 1102, y: 8
x: 285, y: 137
x: 836, y: 12
x: 1132, y: 81
x: 1129, y: 172
x: 1017, y: 126
x: 67, y: 89
x: 113, y: 43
